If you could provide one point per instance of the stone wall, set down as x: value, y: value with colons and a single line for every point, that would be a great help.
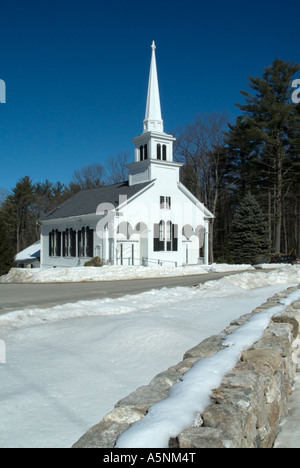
x: 247, y: 408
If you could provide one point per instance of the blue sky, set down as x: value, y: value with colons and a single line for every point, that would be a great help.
x: 76, y: 73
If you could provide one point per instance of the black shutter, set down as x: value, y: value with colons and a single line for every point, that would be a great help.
x: 90, y: 242
x: 158, y: 245
x: 58, y: 243
x: 156, y: 238
x: 73, y: 242
x: 175, y: 237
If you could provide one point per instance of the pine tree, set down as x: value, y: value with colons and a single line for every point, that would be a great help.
x: 20, y: 204
x: 249, y: 242
x: 6, y: 250
x: 266, y: 143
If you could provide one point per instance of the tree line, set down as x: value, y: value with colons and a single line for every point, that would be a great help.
x: 246, y: 173
x: 27, y: 202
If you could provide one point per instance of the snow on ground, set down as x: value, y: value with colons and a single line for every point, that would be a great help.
x: 192, y: 394
x: 67, y: 366
x: 110, y: 273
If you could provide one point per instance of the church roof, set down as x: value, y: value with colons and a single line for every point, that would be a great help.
x: 87, y: 201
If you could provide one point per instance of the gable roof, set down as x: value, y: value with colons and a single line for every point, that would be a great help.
x: 208, y: 214
x: 87, y: 201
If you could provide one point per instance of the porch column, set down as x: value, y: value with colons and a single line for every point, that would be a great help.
x: 206, y: 243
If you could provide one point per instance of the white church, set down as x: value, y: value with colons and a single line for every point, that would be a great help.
x: 151, y: 219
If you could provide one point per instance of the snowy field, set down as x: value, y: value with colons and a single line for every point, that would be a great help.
x: 67, y: 366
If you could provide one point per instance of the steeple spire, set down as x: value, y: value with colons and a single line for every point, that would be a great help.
x: 153, y: 120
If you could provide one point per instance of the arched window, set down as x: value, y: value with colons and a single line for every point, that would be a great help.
x: 159, y: 237
x: 141, y: 153
x: 72, y: 243
x: 162, y: 232
x: 165, y: 237
x: 81, y: 242
x: 55, y: 243
x: 158, y: 151
x: 66, y: 243
x: 145, y: 152
x: 164, y: 152
x: 169, y: 231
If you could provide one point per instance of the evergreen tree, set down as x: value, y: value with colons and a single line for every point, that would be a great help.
x: 265, y: 141
x: 6, y: 250
x: 21, y: 221
x: 249, y: 243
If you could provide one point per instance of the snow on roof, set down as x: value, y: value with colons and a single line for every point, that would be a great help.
x: 30, y: 253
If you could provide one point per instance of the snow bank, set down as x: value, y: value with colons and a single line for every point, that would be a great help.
x: 259, y: 279
x: 232, y: 285
x: 111, y: 273
x: 192, y: 395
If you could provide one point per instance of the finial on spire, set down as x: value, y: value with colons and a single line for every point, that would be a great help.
x: 153, y: 46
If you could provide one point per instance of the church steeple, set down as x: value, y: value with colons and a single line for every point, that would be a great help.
x: 153, y: 155
x: 153, y: 120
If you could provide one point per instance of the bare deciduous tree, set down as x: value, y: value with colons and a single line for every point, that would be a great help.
x: 116, y: 167
x: 88, y: 177
x: 200, y: 146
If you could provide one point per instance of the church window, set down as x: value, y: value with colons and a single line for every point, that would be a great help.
x: 66, y: 243
x: 164, y: 152
x: 165, y: 203
x: 145, y: 152
x: 162, y: 231
x: 141, y: 153
x: 168, y: 231
x: 81, y: 242
x: 86, y: 242
x: 55, y: 243
x: 169, y: 235
x: 159, y: 237
x: 72, y: 243
x: 165, y: 237
x: 69, y: 243
x: 158, y: 151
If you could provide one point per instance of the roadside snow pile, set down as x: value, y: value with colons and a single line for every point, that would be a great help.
x: 232, y: 285
x: 111, y: 273
x: 192, y: 394
x: 259, y: 279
